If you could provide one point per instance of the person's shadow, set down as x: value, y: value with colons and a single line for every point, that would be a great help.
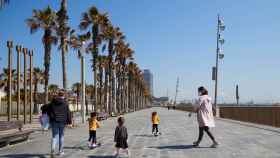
x: 143, y: 135
x: 25, y: 155
x: 177, y: 147
x: 173, y: 147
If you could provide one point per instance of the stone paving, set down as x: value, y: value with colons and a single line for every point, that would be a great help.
x: 178, y: 133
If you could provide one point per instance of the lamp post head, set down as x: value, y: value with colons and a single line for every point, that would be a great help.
x: 222, y: 26
x: 9, y: 44
x: 24, y: 50
x: 18, y: 48
x: 30, y: 53
x: 221, y: 40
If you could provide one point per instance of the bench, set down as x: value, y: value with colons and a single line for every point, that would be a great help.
x: 11, y: 132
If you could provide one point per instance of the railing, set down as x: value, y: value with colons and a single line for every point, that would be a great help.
x: 266, y: 115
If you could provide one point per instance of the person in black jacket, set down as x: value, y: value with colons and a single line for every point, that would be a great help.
x: 59, y: 114
x: 121, y: 137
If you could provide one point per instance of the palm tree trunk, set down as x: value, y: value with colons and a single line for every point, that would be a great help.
x: 106, y: 90
x: 64, y: 61
x: 35, y: 110
x: 113, y: 85
x: 47, y: 60
x: 86, y: 101
x: 95, y: 89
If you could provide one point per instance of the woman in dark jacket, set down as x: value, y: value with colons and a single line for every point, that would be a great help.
x: 58, y: 111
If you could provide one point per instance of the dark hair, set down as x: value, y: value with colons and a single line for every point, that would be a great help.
x: 93, y: 114
x: 154, y: 113
x: 61, y: 93
x: 203, y: 90
x: 121, y: 121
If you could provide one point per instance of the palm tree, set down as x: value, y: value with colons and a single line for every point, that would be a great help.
x: 53, y: 88
x: 4, y: 79
x: 94, y: 21
x: 44, y: 20
x: 63, y: 33
x: 111, y: 34
x: 101, y: 59
x: 3, y: 3
x: 76, y: 88
x: 38, y: 78
x: 123, y: 54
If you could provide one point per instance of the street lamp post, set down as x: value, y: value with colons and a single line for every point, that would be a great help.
x: 19, y: 49
x: 25, y: 84
x: 219, y: 55
x: 10, y: 47
x: 83, y: 96
x: 30, y: 84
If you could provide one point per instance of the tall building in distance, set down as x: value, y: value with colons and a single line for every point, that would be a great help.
x: 148, y: 78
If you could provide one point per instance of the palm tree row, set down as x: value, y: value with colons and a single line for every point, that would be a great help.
x: 117, y: 81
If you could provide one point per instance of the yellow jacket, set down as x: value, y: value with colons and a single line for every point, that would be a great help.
x: 155, y: 119
x: 93, y: 124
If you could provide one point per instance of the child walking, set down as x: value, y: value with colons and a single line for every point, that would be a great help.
x: 93, y: 125
x: 121, y: 137
x: 155, y: 122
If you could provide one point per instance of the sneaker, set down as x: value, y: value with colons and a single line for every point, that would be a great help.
x: 61, y: 153
x: 93, y: 145
x: 196, y: 144
x: 214, y: 145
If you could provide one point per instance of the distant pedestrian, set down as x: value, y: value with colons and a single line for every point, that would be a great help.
x: 59, y: 114
x: 93, y: 125
x: 44, y: 118
x: 121, y: 137
x: 155, y: 121
x: 204, y: 116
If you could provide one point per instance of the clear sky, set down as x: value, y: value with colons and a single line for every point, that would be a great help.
x: 174, y: 38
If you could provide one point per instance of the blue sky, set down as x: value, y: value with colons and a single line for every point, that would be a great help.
x: 174, y: 38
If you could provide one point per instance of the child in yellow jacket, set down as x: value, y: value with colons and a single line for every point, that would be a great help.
x: 93, y: 125
x: 155, y: 122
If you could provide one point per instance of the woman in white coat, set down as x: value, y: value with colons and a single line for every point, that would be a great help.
x: 205, y: 117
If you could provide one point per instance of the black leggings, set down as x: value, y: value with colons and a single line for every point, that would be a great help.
x: 155, y: 128
x: 206, y: 129
x: 92, y: 136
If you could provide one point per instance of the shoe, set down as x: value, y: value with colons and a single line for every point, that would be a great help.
x: 214, y: 145
x: 196, y: 144
x: 61, y: 153
x: 93, y: 145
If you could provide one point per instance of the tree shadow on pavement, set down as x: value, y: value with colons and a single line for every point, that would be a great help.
x: 25, y: 156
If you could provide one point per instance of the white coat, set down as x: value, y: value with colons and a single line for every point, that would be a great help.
x: 204, y: 112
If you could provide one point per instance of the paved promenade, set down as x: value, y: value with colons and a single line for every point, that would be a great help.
x: 178, y: 133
